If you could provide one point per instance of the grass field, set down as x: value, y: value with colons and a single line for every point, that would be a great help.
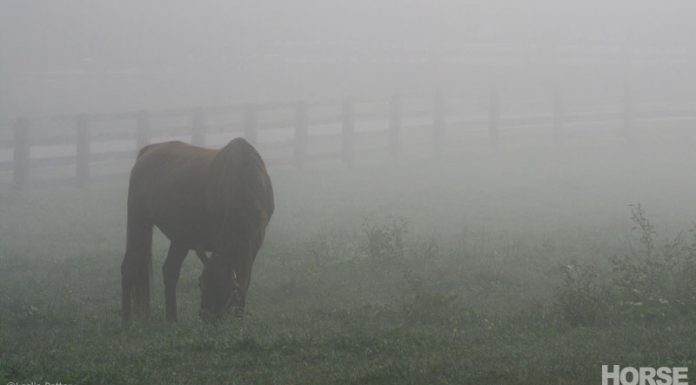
x: 522, y: 267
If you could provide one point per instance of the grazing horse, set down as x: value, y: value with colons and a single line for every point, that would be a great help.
x: 209, y: 201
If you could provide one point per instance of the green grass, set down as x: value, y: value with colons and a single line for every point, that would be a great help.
x: 466, y: 293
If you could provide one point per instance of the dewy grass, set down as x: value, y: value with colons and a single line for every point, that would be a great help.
x: 351, y: 290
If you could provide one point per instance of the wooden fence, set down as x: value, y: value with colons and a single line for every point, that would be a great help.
x: 299, y: 117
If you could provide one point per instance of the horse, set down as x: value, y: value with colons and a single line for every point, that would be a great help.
x: 214, y: 202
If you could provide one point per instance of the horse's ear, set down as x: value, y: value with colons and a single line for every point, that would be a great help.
x: 203, y: 256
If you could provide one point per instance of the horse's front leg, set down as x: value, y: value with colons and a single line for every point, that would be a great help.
x: 170, y: 271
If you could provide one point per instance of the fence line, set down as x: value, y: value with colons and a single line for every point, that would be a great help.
x: 300, y: 122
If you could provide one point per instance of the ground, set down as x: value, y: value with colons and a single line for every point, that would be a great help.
x: 452, y: 270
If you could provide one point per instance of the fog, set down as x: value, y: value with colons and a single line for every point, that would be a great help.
x: 76, y: 56
x: 472, y: 191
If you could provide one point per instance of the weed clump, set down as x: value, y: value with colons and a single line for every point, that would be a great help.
x: 580, y: 296
x: 649, y: 282
x: 385, y: 240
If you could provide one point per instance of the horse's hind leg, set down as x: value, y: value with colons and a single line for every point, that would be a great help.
x: 135, y: 271
x: 170, y: 271
x: 126, y: 289
x: 125, y: 296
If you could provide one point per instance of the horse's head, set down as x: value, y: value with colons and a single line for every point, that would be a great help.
x: 220, y: 289
x: 238, y: 205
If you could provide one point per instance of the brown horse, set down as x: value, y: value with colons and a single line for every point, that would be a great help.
x: 202, y: 200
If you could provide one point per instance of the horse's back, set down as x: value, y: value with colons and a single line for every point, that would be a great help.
x: 167, y: 187
x: 184, y: 189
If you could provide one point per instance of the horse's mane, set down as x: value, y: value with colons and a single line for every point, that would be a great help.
x: 239, y: 193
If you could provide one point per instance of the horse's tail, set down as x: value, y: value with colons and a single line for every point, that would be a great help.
x: 136, y: 269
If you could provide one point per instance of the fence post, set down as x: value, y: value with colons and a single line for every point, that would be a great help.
x: 301, y: 134
x: 143, y: 129
x: 21, y: 153
x: 494, y: 118
x: 251, y: 123
x: 558, y: 112
x: 394, y: 124
x: 628, y: 111
x: 83, y: 152
x: 348, y: 131
x: 438, y: 121
x: 198, y: 129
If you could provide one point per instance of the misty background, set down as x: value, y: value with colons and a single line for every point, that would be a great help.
x: 473, y: 191
x: 75, y: 56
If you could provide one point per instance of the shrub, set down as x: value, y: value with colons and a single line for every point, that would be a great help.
x: 649, y: 282
x: 654, y: 281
